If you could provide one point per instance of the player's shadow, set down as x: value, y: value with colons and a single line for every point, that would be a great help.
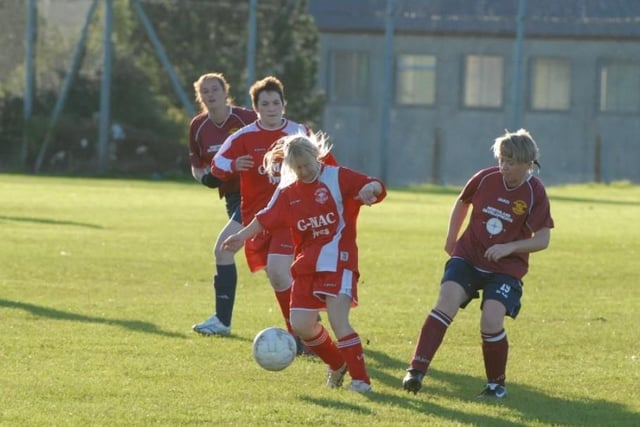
x: 231, y: 336
x: 533, y: 406
x: 52, y: 313
x: 47, y: 221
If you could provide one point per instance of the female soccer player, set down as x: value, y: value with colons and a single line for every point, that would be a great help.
x: 510, y: 219
x: 242, y: 154
x: 218, y: 119
x: 319, y: 205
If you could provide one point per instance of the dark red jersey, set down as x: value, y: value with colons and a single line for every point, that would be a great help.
x: 206, y: 138
x: 501, y: 215
x: 322, y: 217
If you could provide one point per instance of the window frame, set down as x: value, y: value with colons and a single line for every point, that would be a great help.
x: 465, y: 86
x: 532, y: 81
x: 433, y: 68
x: 604, y: 63
x: 357, y: 99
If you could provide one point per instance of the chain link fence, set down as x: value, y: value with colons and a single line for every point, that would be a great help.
x: 50, y: 89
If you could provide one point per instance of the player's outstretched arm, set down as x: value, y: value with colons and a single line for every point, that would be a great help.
x: 456, y: 219
x: 235, y: 241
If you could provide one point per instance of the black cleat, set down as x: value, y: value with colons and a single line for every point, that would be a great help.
x: 412, y: 382
x: 493, y: 391
x: 303, y: 350
x: 299, y: 346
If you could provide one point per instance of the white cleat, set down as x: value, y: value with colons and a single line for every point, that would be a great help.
x: 212, y: 326
x: 336, y: 378
x: 360, y: 386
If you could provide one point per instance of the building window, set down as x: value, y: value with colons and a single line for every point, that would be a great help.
x: 620, y: 87
x: 416, y: 80
x: 550, y: 84
x: 483, y: 81
x: 350, y: 77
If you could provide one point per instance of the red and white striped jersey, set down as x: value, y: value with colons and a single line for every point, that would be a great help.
x: 322, y: 217
x: 256, y: 186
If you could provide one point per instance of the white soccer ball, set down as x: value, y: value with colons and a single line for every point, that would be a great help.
x: 274, y: 349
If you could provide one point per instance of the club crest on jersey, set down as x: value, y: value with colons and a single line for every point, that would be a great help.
x: 519, y: 207
x: 321, y: 195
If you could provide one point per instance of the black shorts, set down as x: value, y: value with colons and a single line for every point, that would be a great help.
x: 232, y: 201
x: 495, y: 286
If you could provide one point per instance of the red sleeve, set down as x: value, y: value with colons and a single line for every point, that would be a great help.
x: 222, y: 162
x: 276, y: 213
x: 351, y: 182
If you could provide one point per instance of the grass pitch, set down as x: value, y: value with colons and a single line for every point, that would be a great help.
x: 100, y: 281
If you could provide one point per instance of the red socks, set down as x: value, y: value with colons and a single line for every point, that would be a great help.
x: 431, y: 336
x: 495, y: 347
x: 323, y: 346
x: 283, y: 298
x: 348, y: 350
x: 495, y: 350
x: 351, y: 348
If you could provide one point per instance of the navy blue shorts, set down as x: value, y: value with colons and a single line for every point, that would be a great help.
x: 232, y: 201
x: 495, y: 286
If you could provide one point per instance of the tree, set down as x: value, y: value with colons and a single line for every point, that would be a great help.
x: 202, y: 36
x: 198, y: 36
x: 291, y: 54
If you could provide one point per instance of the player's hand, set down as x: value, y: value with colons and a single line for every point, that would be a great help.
x: 232, y: 243
x: 368, y: 194
x: 198, y: 173
x: 499, y: 251
x: 243, y: 163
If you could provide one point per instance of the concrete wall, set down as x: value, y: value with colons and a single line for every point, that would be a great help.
x: 568, y: 140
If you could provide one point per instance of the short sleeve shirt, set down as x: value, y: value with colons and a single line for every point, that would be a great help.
x: 501, y: 215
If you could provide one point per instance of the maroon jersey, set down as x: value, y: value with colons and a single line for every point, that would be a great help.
x: 206, y: 138
x: 322, y: 218
x: 501, y: 215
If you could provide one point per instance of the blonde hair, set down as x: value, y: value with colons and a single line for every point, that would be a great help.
x: 211, y: 76
x: 518, y: 146
x: 285, y: 151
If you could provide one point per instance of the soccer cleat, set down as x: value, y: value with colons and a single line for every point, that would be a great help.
x: 493, y: 391
x: 412, y: 382
x: 212, y: 326
x: 360, y: 386
x: 336, y: 378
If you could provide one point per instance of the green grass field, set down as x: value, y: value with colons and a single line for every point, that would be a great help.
x: 101, y: 280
